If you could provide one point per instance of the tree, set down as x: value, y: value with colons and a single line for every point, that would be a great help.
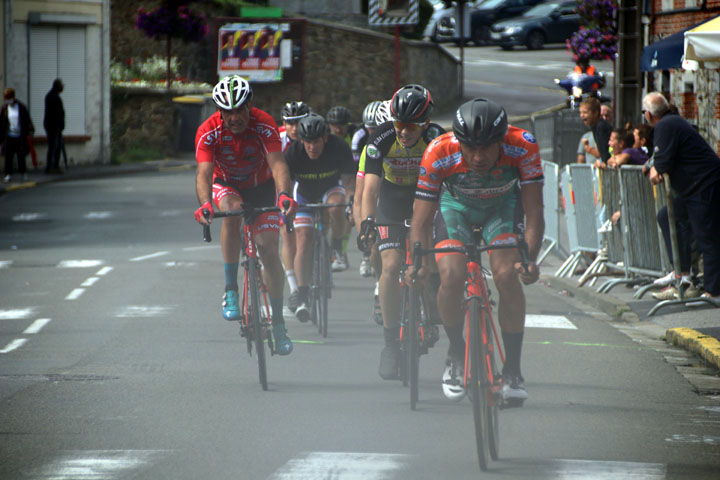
x: 172, y: 18
x: 597, y: 37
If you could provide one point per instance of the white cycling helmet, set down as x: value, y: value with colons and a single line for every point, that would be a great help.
x: 232, y: 92
x: 383, y: 114
x: 369, y: 113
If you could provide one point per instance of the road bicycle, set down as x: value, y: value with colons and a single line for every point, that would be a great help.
x: 321, y: 279
x: 255, y: 320
x: 483, y: 350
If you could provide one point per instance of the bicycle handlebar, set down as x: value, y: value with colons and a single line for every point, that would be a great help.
x: 474, y: 250
x: 245, y: 212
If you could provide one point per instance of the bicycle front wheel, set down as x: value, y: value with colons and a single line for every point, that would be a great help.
x: 413, y: 344
x: 323, y: 286
x: 479, y: 393
x: 256, y: 321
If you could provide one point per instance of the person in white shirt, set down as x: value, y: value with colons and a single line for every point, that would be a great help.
x: 15, y: 127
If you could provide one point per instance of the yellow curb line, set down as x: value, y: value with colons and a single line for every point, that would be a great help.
x: 708, y: 347
x: 20, y: 186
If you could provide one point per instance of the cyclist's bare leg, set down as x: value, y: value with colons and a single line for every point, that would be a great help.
x: 303, y: 254
x: 453, y: 273
x: 274, y: 276
x: 511, y: 305
x: 289, y: 247
x: 338, y: 222
x: 230, y: 232
x: 375, y: 260
x: 390, y: 291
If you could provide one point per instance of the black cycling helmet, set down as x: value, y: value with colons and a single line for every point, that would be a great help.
x: 312, y: 126
x: 412, y: 104
x: 338, y: 115
x: 480, y: 122
x: 294, y: 111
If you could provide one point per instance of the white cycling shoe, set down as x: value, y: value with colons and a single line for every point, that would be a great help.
x: 452, y: 380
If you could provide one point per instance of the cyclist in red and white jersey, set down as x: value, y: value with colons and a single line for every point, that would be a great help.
x: 485, y: 173
x: 240, y: 161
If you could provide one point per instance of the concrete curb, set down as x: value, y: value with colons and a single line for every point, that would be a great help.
x: 706, y: 346
x: 615, y: 308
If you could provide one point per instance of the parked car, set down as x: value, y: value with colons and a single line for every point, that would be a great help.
x: 548, y: 22
x: 479, y: 18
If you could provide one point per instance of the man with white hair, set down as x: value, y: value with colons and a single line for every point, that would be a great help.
x: 694, y: 170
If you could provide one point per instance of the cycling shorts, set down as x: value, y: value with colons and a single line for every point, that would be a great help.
x: 394, y: 206
x: 263, y: 195
x: 456, y: 221
x: 304, y: 216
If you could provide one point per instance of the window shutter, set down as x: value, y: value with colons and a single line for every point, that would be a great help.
x: 71, y: 69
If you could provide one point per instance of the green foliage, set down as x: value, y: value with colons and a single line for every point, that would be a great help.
x: 152, y: 69
x: 136, y: 153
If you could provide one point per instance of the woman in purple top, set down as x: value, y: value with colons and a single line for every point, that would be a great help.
x: 623, y: 141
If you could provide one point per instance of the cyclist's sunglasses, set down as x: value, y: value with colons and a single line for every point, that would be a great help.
x: 407, y: 125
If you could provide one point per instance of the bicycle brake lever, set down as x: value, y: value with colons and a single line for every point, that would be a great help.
x: 206, y: 228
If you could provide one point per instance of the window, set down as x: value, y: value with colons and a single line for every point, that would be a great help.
x: 58, y: 51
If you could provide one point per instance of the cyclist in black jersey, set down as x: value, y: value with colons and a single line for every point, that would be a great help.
x: 392, y: 165
x: 291, y: 113
x: 322, y: 167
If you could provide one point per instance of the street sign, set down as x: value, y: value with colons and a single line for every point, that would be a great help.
x: 393, y: 12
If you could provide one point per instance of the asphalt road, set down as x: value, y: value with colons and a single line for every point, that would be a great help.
x: 116, y: 364
x: 521, y: 80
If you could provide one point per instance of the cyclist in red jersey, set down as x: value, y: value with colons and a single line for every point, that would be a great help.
x: 240, y: 161
x: 486, y: 173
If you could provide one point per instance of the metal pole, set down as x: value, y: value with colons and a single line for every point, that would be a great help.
x: 461, y: 19
x: 397, y: 58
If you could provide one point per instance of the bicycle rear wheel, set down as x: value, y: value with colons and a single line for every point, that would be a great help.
x: 478, y: 384
x: 413, y: 344
x: 324, y: 287
x: 258, y: 324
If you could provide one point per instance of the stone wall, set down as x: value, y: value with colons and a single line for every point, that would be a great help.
x: 341, y: 65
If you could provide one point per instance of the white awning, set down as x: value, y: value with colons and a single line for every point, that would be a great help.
x: 702, y: 43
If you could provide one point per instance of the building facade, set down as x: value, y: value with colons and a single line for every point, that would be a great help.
x: 695, y: 93
x: 70, y: 40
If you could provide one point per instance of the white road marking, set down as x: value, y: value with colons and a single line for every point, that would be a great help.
x: 79, y: 263
x: 548, y: 321
x: 16, y: 313
x: 15, y: 344
x: 75, y: 294
x: 98, y: 215
x: 180, y: 264
x: 104, y: 271
x: 28, y: 217
x: 140, y: 311
x: 203, y: 247
x: 340, y: 466
x: 605, y: 470
x: 146, y: 257
x: 692, y: 438
x: 36, y: 326
x: 89, y: 282
x: 5, y: 263
x: 97, y: 465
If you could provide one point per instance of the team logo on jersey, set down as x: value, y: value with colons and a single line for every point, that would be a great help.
x: 249, y: 150
x: 529, y: 137
x: 497, y: 173
x: 434, y: 177
x: 513, y: 151
x: 372, y: 151
x: 264, y: 131
x: 423, y: 171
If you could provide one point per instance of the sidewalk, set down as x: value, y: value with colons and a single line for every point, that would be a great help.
x: 695, y: 329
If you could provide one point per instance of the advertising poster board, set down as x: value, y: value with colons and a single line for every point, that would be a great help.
x: 251, y: 50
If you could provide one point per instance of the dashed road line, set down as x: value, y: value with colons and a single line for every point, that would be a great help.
x: 75, y: 294
x: 147, y: 257
x: 98, y: 215
x: 79, y: 263
x: 36, y: 326
x: 548, y: 321
x: 368, y: 466
x: 90, y: 282
x: 14, y: 345
x: 16, y: 313
x: 5, y: 263
x: 104, y: 271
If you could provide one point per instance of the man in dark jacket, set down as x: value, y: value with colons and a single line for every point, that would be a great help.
x: 54, y: 123
x: 15, y: 127
x: 694, y: 170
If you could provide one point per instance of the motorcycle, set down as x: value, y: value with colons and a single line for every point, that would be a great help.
x: 580, y: 86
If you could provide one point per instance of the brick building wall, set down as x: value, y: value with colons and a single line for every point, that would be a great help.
x: 694, y: 93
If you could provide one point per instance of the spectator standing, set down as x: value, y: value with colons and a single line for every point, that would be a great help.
x: 54, y: 123
x: 590, y: 115
x: 607, y: 114
x: 694, y: 170
x: 583, y: 154
x: 15, y: 128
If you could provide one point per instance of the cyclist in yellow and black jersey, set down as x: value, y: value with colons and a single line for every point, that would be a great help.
x: 392, y: 166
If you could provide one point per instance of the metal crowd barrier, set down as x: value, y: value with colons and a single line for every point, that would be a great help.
x: 580, y: 201
x: 551, y: 210
x: 543, y: 127
x: 569, y: 129
x: 642, y: 252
